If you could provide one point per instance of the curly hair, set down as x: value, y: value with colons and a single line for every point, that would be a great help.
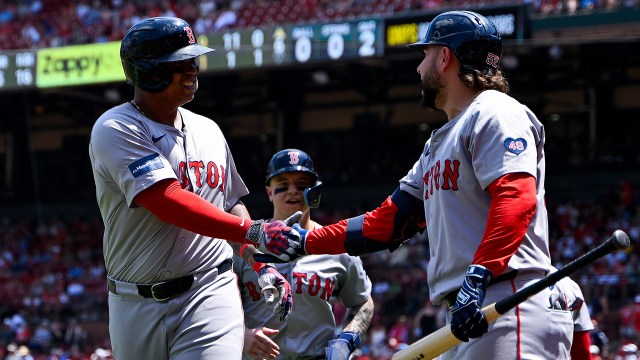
x: 480, y: 81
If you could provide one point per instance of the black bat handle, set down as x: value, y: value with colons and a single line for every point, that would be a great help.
x: 619, y: 240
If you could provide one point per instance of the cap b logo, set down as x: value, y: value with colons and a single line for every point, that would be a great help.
x: 192, y: 38
x: 293, y: 157
x: 493, y: 60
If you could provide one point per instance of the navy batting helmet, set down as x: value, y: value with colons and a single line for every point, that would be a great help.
x: 152, y: 42
x: 291, y: 160
x: 473, y: 38
x: 288, y: 160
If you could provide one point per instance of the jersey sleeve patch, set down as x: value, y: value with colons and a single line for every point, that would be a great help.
x: 515, y: 146
x: 145, y: 164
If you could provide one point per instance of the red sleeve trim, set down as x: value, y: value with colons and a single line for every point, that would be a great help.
x: 243, y: 248
x: 171, y: 204
x: 513, y: 204
x: 257, y: 266
x: 580, y: 347
x: 327, y: 239
x: 377, y: 225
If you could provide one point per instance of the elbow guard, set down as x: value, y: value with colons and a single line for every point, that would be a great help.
x: 396, y: 220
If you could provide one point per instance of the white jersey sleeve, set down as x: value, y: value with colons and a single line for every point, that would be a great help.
x: 511, y: 125
x: 124, y: 154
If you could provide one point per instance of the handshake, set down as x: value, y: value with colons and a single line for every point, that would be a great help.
x: 280, y: 241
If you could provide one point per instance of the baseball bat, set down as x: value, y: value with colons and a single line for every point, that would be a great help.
x: 442, y: 339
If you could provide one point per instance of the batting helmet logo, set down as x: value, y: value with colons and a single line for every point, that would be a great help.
x: 293, y: 157
x: 192, y: 38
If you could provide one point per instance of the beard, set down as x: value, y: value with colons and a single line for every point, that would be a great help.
x: 432, y: 91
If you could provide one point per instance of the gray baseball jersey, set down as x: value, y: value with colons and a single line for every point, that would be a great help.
x: 495, y: 135
x: 314, y: 280
x: 129, y: 153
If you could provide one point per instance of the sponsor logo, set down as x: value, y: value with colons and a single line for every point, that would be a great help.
x: 145, y: 165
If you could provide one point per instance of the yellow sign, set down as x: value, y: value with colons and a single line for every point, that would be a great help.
x: 81, y: 64
x: 402, y: 34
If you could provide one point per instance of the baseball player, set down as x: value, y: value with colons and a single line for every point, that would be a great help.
x: 478, y: 187
x: 292, y: 185
x: 169, y: 193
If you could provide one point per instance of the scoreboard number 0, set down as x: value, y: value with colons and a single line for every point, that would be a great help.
x: 303, y: 49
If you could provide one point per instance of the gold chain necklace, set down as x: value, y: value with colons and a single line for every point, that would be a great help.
x: 133, y: 102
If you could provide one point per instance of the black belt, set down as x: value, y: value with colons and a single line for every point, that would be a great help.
x: 167, y: 290
x: 450, y: 298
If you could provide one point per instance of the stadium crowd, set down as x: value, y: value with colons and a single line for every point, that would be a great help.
x: 52, y: 277
x: 33, y: 24
x: 54, y: 290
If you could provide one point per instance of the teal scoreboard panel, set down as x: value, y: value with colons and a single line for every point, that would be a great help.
x: 279, y: 45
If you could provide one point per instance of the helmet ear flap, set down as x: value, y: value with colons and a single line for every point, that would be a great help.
x: 148, y: 77
x: 313, y: 194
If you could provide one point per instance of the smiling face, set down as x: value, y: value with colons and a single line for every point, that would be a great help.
x: 286, y: 192
x: 185, y: 81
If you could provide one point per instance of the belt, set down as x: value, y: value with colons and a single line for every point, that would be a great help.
x: 167, y: 290
x: 450, y: 298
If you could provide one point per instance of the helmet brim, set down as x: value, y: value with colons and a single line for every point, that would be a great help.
x: 419, y: 46
x: 185, y: 53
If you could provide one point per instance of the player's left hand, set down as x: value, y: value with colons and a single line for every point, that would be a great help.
x: 467, y: 319
x: 276, y: 290
x: 342, y: 347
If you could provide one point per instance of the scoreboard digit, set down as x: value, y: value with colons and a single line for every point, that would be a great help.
x: 337, y: 41
x: 245, y: 48
x: 17, y: 69
x: 292, y: 44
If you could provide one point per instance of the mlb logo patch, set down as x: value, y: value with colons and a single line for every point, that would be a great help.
x: 515, y: 146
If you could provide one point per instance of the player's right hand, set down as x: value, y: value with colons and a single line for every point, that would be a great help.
x: 289, y: 250
x: 276, y: 238
x: 276, y: 290
x: 467, y: 319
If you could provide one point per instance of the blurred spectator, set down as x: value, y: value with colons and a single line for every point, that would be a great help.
x: 38, y: 24
x: 628, y: 351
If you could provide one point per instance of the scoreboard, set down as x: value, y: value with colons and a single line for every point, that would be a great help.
x: 292, y: 44
x: 249, y: 48
x: 17, y: 69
